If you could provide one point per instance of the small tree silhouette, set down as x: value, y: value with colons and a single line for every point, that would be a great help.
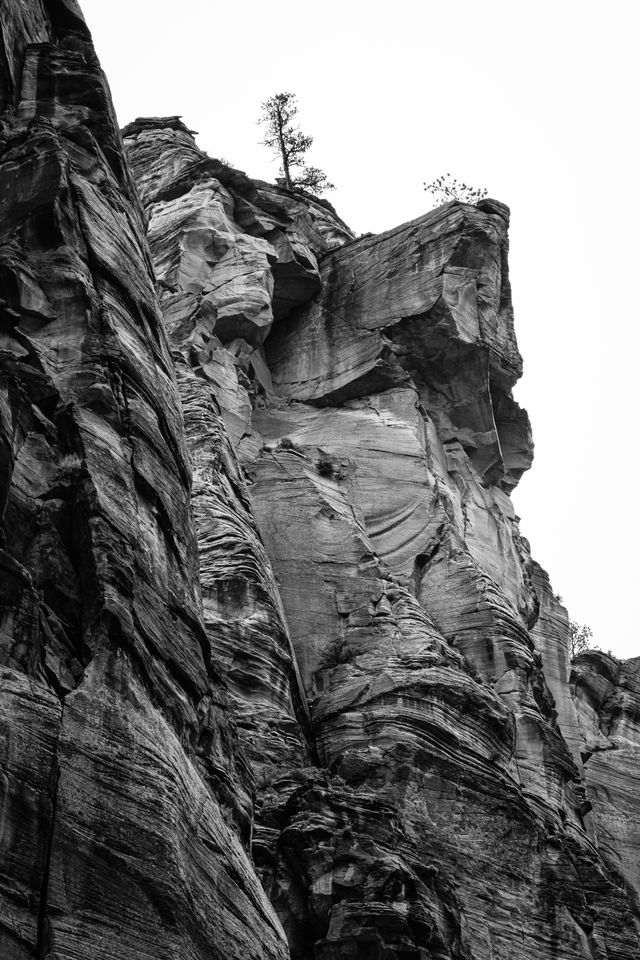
x: 446, y: 188
x: 290, y: 144
x: 579, y: 637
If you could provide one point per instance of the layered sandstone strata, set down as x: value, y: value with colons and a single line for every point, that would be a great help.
x: 380, y: 441
x: 607, y: 699
x: 270, y: 630
x: 125, y: 805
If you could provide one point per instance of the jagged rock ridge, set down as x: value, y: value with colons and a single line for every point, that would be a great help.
x: 266, y: 608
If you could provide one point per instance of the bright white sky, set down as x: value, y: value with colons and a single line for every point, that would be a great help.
x: 538, y: 102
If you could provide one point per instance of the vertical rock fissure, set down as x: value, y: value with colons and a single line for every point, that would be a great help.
x: 297, y: 676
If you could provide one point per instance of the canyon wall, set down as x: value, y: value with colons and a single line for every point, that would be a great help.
x: 278, y: 674
x: 126, y: 809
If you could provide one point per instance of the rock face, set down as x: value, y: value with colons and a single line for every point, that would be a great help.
x: 421, y: 748
x: 126, y: 808
x: 607, y: 698
x: 270, y: 631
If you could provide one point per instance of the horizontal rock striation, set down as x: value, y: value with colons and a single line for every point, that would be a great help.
x: 607, y: 699
x: 278, y: 674
x: 380, y: 441
x: 410, y: 595
x: 444, y: 319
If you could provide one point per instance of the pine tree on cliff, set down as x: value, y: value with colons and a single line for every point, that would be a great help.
x: 291, y: 144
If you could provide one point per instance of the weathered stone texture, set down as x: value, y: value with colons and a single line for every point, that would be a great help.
x: 183, y: 190
x: 265, y: 607
x: 125, y: 802
x: 30, y: 718
x: 607, y: 697
x: 380, y: 442
x: 361, y: 507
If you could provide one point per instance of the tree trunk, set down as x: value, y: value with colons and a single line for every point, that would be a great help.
x: 284, y: 152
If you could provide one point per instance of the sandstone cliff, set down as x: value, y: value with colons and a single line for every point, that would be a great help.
x: 125, y: 805
x: 270, y: 631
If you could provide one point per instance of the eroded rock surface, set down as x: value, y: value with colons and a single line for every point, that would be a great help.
x: 269, y: 628
x: 411, y: 598
x: 380, y: 442
x: 125, y: 803
x: 190, y: 209
x: 607, y: 698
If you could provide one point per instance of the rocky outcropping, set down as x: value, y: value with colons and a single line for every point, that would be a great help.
x: 380, y: 441
x: 270, y: 631
x: 607, y: 699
